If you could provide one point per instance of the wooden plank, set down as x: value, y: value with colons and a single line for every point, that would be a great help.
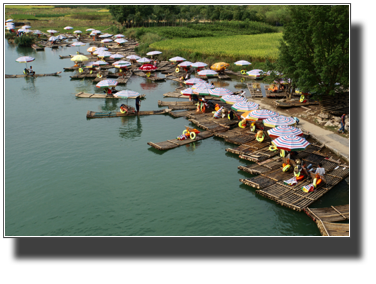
x: 258, y: 182
x: 254, y: 169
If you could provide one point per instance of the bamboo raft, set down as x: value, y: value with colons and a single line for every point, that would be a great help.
x: 37, y: 47
x: 93, y: 114
x: 178, y: 105
x: 325, y: 219
x: 35, y: 75
x: 100, y: 96
x: 224, y: 77
x: 207, y: 122
x: 255, y: 90
x: 173, y: 143
x: 73, y: 68
x: 270, y: 94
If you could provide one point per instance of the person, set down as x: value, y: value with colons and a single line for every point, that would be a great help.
x: 138, y: 104
x: 296, y: 120
x: 320, y: 170
x: 304, y: 169
x: 343, y: 118
x: 31, y: 71
x: 123, y: 108
x: 187, y: 76
x: 113, y: 90
x: 108, y: 92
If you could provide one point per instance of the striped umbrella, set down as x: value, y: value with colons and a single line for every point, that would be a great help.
x: 77, y: 32
x: 118, y: 36
x: 89, y: 64
x: 244, y: 106
x: 207, y: 73
x: 122, y: 63
x: 194, y: 81
x: 185, y: 64
x: 92, y: 49
x: 279, y: 121
x: 68, y: 28
x: 256, y: 73
x: 107, y: 83
x: 100, y: 63
x: 199, y: 65
x: 126, y: 94
x: 177, y: 59
x: 201, y: 91
x: 104, y: 54
x: 260, y: 114
x: 233, y: 99
x: 60, y: 37
x: 52, y: 32
x: 25, y: 59
x: 100, y: 50
x: 187, y: 92
x: 105, y: 35
x: 219, y: 92
x: 284, y: 131
x: 291, y: 143
x: 202, y: 85
x: 78, y: 43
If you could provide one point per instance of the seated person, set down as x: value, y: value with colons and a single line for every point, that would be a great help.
x: 114, y: 90
x: 320, y: 171
x: 123, y: 108
x: 31, y: 71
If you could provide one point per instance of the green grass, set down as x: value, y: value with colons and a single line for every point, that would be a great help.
x: 23, y: 17
x: 247, y: 47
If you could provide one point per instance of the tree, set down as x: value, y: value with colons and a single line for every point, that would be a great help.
x: 314, y: 51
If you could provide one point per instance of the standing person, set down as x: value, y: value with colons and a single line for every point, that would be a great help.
x: 138, y: 103
x: 342, y: 129
x: 296, y: 120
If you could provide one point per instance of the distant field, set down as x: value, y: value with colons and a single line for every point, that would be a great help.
x: 26, y: 7
x: 259, y: 47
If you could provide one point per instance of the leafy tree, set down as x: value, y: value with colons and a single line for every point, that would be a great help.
x: 314, y: 51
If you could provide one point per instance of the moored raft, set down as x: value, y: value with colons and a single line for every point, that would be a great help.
x: 100, y: 96
x: 35, y: 75
x: 173, y: 143
x: 105, y: 114
x: 178, y: 105
x: 294, y: 103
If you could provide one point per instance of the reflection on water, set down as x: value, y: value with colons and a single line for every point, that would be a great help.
x: 240, y: 86
x: 131, y: 127
x: 25, y: 51
x: 192, y: 146
x: 30, y: 87
x: 149, y: 85
x: 110, y: 105
x: 220, y: 84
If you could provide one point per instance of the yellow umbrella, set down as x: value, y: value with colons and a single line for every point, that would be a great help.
x: 219, y: 66
x: 79, y: 58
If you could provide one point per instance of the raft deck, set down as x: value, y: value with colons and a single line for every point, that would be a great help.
x: 101, y: 96
x: 105, y: 114
x: 295, y: 103
x: 35, y: 75
x: 173, y: 143
x: 255, y: 90
x: 325, y: 219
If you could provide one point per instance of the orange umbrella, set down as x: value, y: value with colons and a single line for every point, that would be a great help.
x: 219, y: 66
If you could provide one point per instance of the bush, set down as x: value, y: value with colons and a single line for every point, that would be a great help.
x: 24, y: 40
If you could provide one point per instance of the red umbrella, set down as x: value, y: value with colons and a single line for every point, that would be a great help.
x: 148, y: 67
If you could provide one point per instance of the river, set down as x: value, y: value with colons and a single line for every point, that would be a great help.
x: 69, y: 176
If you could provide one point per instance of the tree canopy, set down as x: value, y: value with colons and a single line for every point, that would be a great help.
x: 314, y: 51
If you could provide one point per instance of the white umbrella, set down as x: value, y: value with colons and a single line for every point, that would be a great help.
x: 120, y: 40
x: 9, y: 20
x: 104, y: 54
x: 68, y: 28
x: 106, y: 35
x: 133, y: 57
x: 51, y: 31
x: 155, y: 52
x: 37, y: 32
x: 61, y: 37
x: 185, y: 64
x: 118, y: 36
x: 77, y: 32
x: 127, y: 94
x: 242, y: 63
x: 122, y: 63
x: 143, y: 60
x: 89, y: 30
x: 116, y: 56
x: 207, y: 73
x: 26, y: 27
x: 100, y: 63
x: 78, y: 43
x: 256, y: 73
x: 99, y: 50
x: 106, y: 40
x: 199, y: 65
x: 177, y: 59
x: 53, y: 38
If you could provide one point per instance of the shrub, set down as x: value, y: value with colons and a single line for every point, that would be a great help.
x: 24, y: 40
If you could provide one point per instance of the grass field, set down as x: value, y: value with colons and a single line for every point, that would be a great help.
x: 248, y: 47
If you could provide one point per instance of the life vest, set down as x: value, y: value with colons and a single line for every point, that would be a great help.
x: 316, y: 182
x: 242, y: 123
x: 243, y: 72
x: 91, y: 71
x: 80, y: 70
x: 282, y: 154
x: 260, y: 137
x: 272, y: 148
x: 253, y: 127
x: 99, y: 75
x: 285, y: 168
x: 148, y: 74
x: 302, y: 97
x: 177, y: 70
x: 123, y: 110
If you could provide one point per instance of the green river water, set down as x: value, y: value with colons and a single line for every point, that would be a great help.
x: 69, y: 176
